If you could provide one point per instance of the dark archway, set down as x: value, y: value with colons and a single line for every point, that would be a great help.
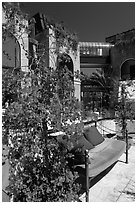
x: 64, y: 60
x: 128, y: 70
x: 65, y: 71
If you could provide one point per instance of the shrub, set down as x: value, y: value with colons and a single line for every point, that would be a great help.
x: 33, y: 101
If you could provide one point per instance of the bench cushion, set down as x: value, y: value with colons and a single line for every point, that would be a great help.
x: 81, y: 142
x: 76, y: 142
x: 104, y: 155
x: 93, y: 135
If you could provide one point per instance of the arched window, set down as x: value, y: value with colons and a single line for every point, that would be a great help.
x: 11, y: 58
x: 11, y: 52
x: 128, y: 70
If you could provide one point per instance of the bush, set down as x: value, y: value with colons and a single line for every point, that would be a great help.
x: 33, y: 101
x: 39, y: 170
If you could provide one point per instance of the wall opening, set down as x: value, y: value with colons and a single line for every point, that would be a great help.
x: 65, y: 70
x: 65, y: 61
x: 128, y: 70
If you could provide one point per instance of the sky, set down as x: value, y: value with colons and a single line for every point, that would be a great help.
x: 92, y: 21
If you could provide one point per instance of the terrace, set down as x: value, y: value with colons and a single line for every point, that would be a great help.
x: 116, y: 183
x: 111, y: 175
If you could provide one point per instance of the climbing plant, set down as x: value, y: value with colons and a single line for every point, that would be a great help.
x: 33, y: 102
x: 124, y: 107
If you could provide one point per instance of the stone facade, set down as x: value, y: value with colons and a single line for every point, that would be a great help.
x: 123, y: 60
x: 123, y: 50
x: 18, y: 48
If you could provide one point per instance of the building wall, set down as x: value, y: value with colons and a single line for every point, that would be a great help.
x: 24, y: 45
x: 16, y: 47
x: 11, y: 52
x: 76, y: 63
x: 123, y: 54
x: 124, y: 48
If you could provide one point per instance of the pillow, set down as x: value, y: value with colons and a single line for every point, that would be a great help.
x: 76, y: 142
x: 93, y: 135
x: 81, y: 142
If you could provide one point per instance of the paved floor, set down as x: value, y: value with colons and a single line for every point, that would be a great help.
x: 116, y: 185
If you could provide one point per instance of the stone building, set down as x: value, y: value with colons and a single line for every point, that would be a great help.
x: 123, y: 54
x: 43, y: 34
x: 19, y: 51
x: 123, y: 58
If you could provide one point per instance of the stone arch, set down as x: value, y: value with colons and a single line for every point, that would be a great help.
x: 127, y: 69
x: 65, y: 60
x: 11, y: 52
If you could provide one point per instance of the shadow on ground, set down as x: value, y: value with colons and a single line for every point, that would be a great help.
x: 92, y: 181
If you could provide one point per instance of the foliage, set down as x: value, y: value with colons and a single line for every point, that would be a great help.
x: 64, y: 36
x: 103, y: 78
x: 124, y: 108
x: 13, y: 16
x: 104, y: 82
x: 33, y: 101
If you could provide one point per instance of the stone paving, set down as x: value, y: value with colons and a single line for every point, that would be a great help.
x: 118, y: 185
